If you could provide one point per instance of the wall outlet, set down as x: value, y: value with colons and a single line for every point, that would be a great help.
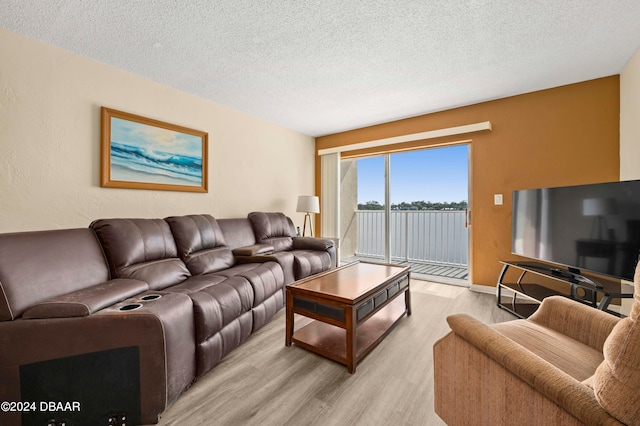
x: 497, y: 199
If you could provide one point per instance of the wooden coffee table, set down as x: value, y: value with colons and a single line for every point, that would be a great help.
x: 353, y: 307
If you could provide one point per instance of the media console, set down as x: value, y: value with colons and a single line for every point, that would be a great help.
x: 522, y: 297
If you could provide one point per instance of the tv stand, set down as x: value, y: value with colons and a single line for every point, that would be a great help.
x: 574, y: 275
x: 522, y: 297
x: 563, y: 274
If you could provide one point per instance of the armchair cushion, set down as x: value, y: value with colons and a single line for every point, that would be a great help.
x: 569, y: 355
x: 616, y: 382
x: 576, y: 320
x: 550, y: 361
x: 477, y: 370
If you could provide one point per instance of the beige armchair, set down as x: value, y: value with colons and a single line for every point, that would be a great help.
x: 568, y: 364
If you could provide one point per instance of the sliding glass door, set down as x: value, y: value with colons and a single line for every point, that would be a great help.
x: 409, y: 208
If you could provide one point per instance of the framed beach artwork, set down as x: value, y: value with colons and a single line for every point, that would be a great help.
x: 141, y: 153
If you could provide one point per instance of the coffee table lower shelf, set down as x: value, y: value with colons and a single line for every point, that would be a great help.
x: 330, y: 341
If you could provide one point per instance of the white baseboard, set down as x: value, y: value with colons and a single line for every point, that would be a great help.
x: 439, y: 279
x: 483, y: 289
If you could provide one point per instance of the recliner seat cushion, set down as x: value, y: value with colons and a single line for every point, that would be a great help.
x: 307, y: 262
x: 218, y: 305
x: 286, y: 260
x: 263, y: 313
x: 265, y: 278
x: 160, y: 274
x: 274, y: 229
x: 209, y: 261
x: 200, y: 243
x: 311, y: 255
x: 211, y: 351
x: 142, y: 249
x: 196, y: 283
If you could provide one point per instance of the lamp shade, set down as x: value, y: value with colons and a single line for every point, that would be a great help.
x: 308, y: 204
x: 598, y: 206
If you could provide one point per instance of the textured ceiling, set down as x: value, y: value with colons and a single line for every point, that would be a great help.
x: 324, y: 66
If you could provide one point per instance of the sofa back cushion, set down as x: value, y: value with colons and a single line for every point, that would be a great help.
x: 200, y: 243
x: 274, y: 229
x: 616, y: 382
x: 238, y: 232
x: 37, y: 266
x: 141, y: 249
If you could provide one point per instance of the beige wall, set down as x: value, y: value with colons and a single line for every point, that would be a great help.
x: 630, y: 119
x: 563, y: 136
x: 50, y: 103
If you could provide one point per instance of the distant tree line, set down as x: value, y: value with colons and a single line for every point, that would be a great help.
x: 416, y: 205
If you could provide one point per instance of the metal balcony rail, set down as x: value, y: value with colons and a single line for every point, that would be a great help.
x: 430, y: 236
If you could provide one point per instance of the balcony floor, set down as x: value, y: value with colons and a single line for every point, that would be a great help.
x: 447, y: 274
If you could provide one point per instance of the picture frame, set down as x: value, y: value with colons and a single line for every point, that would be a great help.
x: 143, y: 153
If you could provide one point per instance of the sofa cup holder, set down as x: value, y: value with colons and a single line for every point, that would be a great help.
x: 150, y: 297
x: 130, y: 307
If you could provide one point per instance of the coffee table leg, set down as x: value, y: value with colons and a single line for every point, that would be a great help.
x: 289, y: 317
x: 407, y: 300
x: 351, y: 338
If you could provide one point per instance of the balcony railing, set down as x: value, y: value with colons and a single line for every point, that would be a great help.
x: 438, y: 237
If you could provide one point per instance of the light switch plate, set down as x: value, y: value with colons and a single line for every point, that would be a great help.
x: 497, y: 199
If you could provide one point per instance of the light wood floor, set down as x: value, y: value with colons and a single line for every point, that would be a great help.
x: 265, y: 383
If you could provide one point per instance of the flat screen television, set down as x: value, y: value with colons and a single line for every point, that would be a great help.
x: 592, y: 228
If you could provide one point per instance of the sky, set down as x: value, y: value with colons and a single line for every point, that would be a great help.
x: 436, y: 174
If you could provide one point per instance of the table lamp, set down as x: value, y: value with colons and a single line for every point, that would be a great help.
x: 308, y: 204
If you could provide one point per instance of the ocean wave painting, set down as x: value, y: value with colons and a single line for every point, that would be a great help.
x: 149, y: 154
x: 140, y: 165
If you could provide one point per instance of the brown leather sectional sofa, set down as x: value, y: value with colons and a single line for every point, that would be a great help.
x: 117, y: 320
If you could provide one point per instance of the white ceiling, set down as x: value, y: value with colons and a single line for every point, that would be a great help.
x: 324, y: 66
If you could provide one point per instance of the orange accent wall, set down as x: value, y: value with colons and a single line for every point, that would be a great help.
x: 567, y: 135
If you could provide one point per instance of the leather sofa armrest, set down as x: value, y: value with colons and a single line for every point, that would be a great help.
x: 85, y: 302
x: 576, y: 320
x: 162, y: 330
x: 573, y: 396
x: 311, y: 243
x: 253, y: 250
